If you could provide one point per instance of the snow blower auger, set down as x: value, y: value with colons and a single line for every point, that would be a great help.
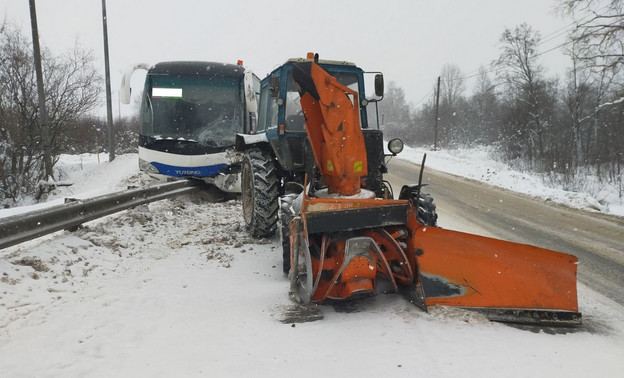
x: 344, y: 240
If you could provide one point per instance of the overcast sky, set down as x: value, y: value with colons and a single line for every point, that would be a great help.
x: 408, y: 40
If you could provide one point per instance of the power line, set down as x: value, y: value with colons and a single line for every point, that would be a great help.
x: 424, y: 97
x: 491, y: 67
x: 547, y: 38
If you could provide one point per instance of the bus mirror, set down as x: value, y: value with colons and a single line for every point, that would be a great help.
x: 124, y: 89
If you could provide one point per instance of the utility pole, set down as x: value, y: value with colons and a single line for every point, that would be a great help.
x: 435, y: 138
x: 109, y: 106
x: 43, y: 116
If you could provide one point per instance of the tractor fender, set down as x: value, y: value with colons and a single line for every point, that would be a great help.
x: 245, y: 141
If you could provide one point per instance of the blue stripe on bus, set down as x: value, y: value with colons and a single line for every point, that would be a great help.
x: 205, y: 171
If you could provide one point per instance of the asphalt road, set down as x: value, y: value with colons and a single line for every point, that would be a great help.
x: 469, y: 206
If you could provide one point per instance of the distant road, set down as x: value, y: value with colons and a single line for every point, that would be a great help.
x: 465, y: 205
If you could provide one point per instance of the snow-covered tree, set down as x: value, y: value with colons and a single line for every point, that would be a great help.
x: 72, y: 87
x: 527, y: 93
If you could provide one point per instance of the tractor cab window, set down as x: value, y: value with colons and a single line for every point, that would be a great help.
x: 294, y: 114
x: 294, y: 118
x: 347, y: 79
x: 273, y: 113
x: 264, y: 97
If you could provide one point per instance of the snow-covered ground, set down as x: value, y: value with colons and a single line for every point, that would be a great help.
x: 89, y: 175
x: 478, y: 164
x: 177, y: 289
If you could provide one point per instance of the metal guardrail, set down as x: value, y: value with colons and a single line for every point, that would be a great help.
x: 20, y: 228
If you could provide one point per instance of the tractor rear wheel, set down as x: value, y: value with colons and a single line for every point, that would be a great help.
x: 259, y: 193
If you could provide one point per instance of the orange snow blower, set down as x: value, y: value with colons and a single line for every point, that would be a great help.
x: 345, y: 241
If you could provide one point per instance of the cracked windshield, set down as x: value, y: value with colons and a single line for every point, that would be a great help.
x: 207, y: 110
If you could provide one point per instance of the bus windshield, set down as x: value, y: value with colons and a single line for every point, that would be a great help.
x: 204, y: 109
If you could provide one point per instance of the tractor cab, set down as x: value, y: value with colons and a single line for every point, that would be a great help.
x: 281, y: 118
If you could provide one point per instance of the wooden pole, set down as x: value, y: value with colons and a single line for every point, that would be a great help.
x: 43, y: 116
x: 435, y: 138
x: 109, y: 106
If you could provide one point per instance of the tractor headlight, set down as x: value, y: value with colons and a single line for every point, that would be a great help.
x: 395, y: 146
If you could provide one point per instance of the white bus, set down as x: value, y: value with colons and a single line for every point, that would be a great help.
x: 190, y: 115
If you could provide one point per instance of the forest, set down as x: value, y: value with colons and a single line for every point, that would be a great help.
x: 562, y: 127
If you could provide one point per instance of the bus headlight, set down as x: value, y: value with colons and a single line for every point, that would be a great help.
x: 146, y: 167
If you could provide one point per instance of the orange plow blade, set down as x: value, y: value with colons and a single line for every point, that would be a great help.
x: 506, y: 281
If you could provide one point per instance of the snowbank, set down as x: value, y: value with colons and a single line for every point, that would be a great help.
x: 478, y: 164
x: 90, y: 176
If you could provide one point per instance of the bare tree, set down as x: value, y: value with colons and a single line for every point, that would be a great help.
x: 598, y: 58
x: 484, y: 109
x: 451, y: 101
x: 451, y: 85
x: 599, y: 32
x: 523, y: 76
x: 579, y: 100
x: 72, y: 88
x: 18, y: 108
x: 394, y: 111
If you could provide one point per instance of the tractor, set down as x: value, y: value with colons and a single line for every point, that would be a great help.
x: 278, y: 155
x: 314, y: 163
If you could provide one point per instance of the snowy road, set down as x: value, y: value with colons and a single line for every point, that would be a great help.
x: 177, y: 289
x: 470, y: 206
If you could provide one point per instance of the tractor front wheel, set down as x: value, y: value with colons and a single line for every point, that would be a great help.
x: 286, y: 215
x: 259, y: 193
x: 423, y: 202
x: 427, y: 214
